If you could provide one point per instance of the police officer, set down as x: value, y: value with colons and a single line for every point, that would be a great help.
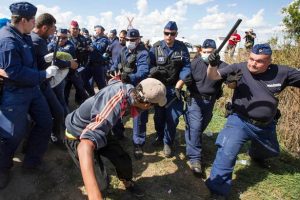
x: 133, y: 63
x: 96, y: 67
x: 89, y: 126
x: 45, y: 26
x: 170, y: 63
x: 4, y: 22
x: 75, y: 77
x: 64, y: 45
x: 114, y: 47
x: 203, y: 93
x: 254, y: 113
x: 21, y: 92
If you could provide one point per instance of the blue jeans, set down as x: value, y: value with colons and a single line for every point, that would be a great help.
x: 167, y: 119
x: 197, y: 117
x: 230, y: 140
x: 139, y: 128
x: 16, y: 104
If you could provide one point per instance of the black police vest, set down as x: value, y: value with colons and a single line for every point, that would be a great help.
x: 81, y: 51
x: 128, y: 65
x: 169, y: 65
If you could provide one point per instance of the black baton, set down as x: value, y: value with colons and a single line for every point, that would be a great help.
x: 237, y: 23
x: 55, y: 51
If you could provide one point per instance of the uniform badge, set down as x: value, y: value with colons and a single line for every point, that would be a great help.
x: 161, y: 59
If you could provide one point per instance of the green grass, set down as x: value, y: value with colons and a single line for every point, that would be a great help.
x: 281, y: 181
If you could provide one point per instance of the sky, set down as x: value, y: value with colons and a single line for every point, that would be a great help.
x: 197, y: 20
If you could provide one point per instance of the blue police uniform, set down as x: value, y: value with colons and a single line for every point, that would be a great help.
x: 57, y: 110
x: 203, y: 94
x: 94, y: 119
x: 21, y: 94
x: 115, y: 49
x: 140, y: 72
x: 96, y: 67
x: 167, y: 119
x: 254, y: 118
x: 74, y: 77
x: 59, y: 90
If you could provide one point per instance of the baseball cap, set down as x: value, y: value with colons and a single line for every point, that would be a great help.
x: 153, y: 91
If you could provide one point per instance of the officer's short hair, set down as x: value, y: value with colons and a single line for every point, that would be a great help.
x: 45, y: 19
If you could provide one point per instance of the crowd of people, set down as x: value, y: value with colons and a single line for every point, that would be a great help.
x: 39, y: 65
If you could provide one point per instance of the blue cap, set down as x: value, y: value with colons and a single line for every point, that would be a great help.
x: 63, y: 31
x: 3, y: 22
x: 171, y: 25
x: 209, y: 43
x: 114, y: 31
x: 23, y: 9
x: 264, y: 49
x: 99, y: 26
x: 133, y: 33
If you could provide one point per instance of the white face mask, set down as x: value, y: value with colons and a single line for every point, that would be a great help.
x: 205, y: 57
x: 130, y: 45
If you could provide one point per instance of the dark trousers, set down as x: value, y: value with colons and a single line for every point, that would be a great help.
x: 197, y: 117
x: 56, y: 109
x: 74, y: 78
x: 15, y: 106
x: 167, y: 119
x: 59, y: 91
x: 97, y: 71
x: 114, y: 153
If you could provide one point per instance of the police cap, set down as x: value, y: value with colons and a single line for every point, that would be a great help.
x: 114, y: 31
x: 209, y: 43
x: 171, y: 25
x: 133, y: 33
x: 84, y: 30
x: 23, y: 9
x: 99, y: 26
x: 264, y: 49
x: 63, y: 31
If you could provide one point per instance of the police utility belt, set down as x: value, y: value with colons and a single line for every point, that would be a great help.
x: 202, y: 96
x: 253, y: 121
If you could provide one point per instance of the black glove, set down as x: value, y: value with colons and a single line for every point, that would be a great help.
x: 234, y: 77
x: 178, y: 93
x: 214, y: 59
x: 125, y: 78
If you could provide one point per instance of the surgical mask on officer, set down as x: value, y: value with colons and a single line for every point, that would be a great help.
x: 205, y: 57
x: 130, y: 45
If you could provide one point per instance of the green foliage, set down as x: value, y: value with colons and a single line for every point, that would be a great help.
x: 292, y: 19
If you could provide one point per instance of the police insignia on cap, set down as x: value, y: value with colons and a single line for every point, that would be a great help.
x: 260, y: 50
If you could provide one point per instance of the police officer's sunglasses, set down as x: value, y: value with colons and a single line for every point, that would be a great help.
x: 170, y: 33
x: 131, y: 40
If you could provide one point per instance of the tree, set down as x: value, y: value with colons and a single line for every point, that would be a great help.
x: 292, y: 19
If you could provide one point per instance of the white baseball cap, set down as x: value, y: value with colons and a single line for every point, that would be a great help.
x: 153, y: 91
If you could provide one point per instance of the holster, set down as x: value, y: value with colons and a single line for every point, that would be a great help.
x: 187, y: 97
x: 228, y: 109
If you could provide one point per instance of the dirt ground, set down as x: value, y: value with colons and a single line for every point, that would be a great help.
x: 160, y: 177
